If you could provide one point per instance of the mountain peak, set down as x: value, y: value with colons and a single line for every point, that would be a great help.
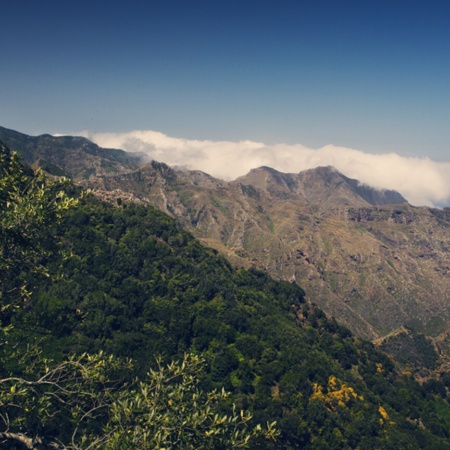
x: 332, y: 178
x: 323, y: 185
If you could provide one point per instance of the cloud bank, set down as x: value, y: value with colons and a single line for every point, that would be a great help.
x: 420, y: 180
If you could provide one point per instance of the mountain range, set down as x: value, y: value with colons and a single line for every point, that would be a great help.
x: 378, y: 265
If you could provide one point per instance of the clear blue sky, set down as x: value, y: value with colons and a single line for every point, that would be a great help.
x: 368, y: 74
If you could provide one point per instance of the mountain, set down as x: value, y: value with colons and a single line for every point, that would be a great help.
x: 365, y: 256
x: 74, y: 157
x: 324, y: 186
x: 126, y: 281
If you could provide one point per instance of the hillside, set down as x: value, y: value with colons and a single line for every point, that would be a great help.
x: 127, y: 281
x: 373, y: 265
x: 324, y: 186
x: 137, y: 285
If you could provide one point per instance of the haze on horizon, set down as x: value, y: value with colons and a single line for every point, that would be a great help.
x: 362, y: 86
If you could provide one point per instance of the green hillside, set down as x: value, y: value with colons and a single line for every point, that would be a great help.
x: 129, y: 282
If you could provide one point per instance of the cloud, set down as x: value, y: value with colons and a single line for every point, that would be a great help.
x: 420, y: 180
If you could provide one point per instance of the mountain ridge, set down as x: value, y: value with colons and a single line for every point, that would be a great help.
x: 74, y: 156
x: 306, y: 184
x: 61, y: 153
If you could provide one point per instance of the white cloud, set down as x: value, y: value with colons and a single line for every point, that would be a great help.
x: 420, y: 180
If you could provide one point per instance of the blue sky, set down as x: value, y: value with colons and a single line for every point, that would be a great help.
x: 372, y: 75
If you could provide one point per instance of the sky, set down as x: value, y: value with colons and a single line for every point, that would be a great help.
x: 227, y: 85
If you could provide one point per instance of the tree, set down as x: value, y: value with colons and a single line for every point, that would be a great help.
x: 168, y: 410
x: 30, y: 204
x: 83, y: 403
x: 58, y: 405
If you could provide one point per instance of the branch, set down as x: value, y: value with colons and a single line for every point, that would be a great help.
x: 29, y: 443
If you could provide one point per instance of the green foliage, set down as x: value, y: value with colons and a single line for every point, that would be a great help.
x: 87, y: 394
x: 30, y: 205
x: 43, y: 394
x: 411, y: 350
x: 85, y: 401
x: 168, y: 410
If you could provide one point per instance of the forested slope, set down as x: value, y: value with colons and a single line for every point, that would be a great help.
x: 137, y: 285
x: 83, y: 276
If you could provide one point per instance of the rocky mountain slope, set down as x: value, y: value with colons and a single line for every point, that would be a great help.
x: 365, y: 256
x: 72, y: 156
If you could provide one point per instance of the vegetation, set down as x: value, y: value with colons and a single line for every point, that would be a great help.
x: 84, y: 403
x: 88, y: 401
x: 88, y: 362
x: 29, y: 206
